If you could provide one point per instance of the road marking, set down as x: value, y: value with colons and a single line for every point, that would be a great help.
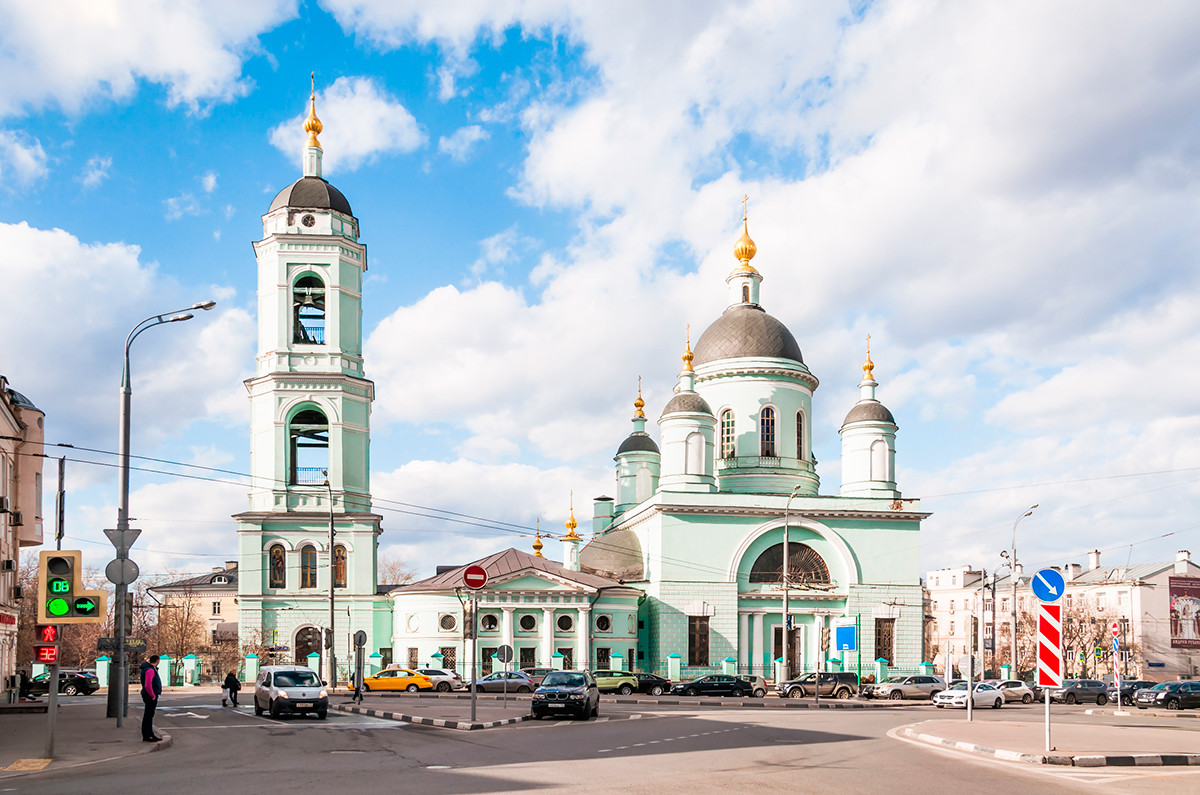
x: 28, y: 764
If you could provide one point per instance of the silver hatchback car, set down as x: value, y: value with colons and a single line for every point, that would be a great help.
x: 898, y: 687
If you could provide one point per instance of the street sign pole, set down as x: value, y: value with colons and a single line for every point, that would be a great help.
x: 1116, y: 632
x: 474, y: 652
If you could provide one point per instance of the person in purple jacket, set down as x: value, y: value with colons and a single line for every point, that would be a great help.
x: 151, y: 690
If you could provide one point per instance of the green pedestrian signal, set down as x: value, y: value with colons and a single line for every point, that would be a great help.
x: 58, y: 606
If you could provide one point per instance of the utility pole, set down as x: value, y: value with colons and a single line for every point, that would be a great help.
x: 1012, y: 567
x: 787, y: 576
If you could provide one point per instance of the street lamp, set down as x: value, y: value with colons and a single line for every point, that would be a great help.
x: 787, y: 506
x: 118, y: 697
x: 1012, y: 568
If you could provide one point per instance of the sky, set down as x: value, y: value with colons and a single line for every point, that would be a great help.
x: 1002, y: 194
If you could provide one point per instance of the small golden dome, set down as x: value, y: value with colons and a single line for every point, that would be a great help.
x: 537, y: 545
x: 687, y: 351
x: 571, y: 524
x: 312, y: 125
x: 639, y: 404
x: 868, y: 366
x: 745, y: 248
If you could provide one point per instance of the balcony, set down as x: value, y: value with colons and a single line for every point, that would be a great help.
x: 309, y: 476
x: 760, y: 462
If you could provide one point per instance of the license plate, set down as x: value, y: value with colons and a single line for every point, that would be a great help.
x: 304, y: 704
x: 556, y: 706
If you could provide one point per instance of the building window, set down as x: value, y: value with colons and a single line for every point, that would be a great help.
x: 528, y: 660
x: 697, y: 640
x: 800, y: 436
x: 879, y: 462
x: 278, y: 565
x: 951, y: 631
x: 528, y: 622
x: 339, y: 567
x: 805, y: 566
x: 217, y: 608
x: 449, y: 657
x: 642, y: 484
x: 448, y: 622
x: 766, y: 432
x: 568, y: 655
x: 412, y: 657
x: 694, y: 454
x: 565, y: 623
x: 485, y: 659
x: 885, y: 639
x: 745, y: 293
x: 489, y: 622
x: 308, y: 443
x: 604, y: 623
x: 308, y: 566
x: 727, y: 437
x: 308, y: 311
x: 603, y: 657
x: 1101, y: 601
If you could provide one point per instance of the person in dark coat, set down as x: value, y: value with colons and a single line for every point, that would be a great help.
x: 151, y: 690
x: 24, y: 687
x: 231, y: 686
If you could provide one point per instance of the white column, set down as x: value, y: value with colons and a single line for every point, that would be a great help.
x: 743, y: 643
x: 757, y: 647
x: 547, y: 636
x: 582, y: 634
x: 506, y: 627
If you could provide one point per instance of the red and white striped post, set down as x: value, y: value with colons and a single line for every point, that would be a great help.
x: 1049, y: 659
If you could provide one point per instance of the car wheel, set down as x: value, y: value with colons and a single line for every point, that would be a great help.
x: 1174, y: 704
x: 366, y: 687
x: 896, y: 695
x: 933, y: 694
x: 70, y: 690
x: 322, y: 714
x: 691, y: 691
x: 274, y: 708
x: 443, y: 687
x: 1069, y: 698
x: 1027, y: 698
x: 1101, y: 700
x: 760, y: 693
x: 535, y: 716
x: 940, y: 706
x: 1141, y: 707
x: 656, y: 690
x: 258, y: 711
x: 596, y: 709
x: 412, y: 688
x: 523, y: 689
x: 998, y: 703
x: 625, y: 689
x: 844, y: 694
x: 796, y: 692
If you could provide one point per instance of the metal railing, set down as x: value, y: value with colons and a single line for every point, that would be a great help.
x: 310, y: 334
x: 310, y: 476
x: 750, y: 461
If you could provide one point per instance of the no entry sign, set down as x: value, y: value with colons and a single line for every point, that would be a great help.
x: 475, y: 577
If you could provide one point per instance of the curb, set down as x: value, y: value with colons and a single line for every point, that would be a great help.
x: 692, y: 701
x: 166, y: 742
x: 1077, y: 760
x: 435, y: 722
x: 1146, y: 713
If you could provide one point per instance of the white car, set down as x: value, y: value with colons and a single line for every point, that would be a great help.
x: 985, y: 695
x: 1013, y: 690
x: 444, y: 680
x: 292, y: 689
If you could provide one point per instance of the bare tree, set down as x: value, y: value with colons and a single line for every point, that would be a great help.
x: 1083, y: 629
x: 393, y: 570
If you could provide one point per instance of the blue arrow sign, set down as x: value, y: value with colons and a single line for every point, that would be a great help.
x: 1048, y: 585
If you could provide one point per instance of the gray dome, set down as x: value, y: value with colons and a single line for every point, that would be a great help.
x: 746, y: 330
x: 687, y: 401
x: 638, y: 442
x: 869, y: 410
x: 311, y: 193
x: 20, y: 401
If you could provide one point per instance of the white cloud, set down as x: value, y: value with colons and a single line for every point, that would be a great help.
x: 181, y: 205
x: 96, y: 171
x: 208, y: 181
x: 21, y: 157
x: 499, y: 249
x: 69, y: 53
x: 462, y: 141
x: 361, y: 120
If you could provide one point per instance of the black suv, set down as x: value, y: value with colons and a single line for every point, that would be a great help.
x: 70, y: 683
x: 566, y: 693
x: 1129, y: 688
x: 1171, y: 695
x: 838, y: 685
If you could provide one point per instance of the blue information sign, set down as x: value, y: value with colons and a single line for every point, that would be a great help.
x: 846, y: 638
x: 1048, y: 585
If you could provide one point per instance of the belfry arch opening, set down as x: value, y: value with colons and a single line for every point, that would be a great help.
x: 308, y: 311
x: 806, y: 566
x: 308, y: 442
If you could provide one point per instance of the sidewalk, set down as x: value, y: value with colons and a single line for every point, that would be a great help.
x: 82, y: 736
x: 1078, y: 744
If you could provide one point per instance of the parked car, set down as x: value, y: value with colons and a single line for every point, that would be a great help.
x: 1013, y: 689
x: 398, y: 679
x: 714, y: 685
x: 983, y: 695
x: 1074, y: 691
x: 898, y: 687
x: 290, y: 688
x: 836, y: 685
x: 1169, y: 695
x: 535, y: 674
x: 506, y: 681
x: 758, y: 684
x: 444, y: 680
x: 1129, y: 688
x: 70, y: 683
x: 623, y: 682
x: 653, y: 684
x: 566, y: 693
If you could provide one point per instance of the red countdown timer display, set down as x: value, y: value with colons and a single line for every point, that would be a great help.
x: 46, y: 654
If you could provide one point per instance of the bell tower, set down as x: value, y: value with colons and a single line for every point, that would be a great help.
x: 310, y: 407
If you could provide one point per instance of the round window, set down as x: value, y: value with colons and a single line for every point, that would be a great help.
x: 308, y: 220
x: 489, y: 622
x: 528, y: 623
x: 603, y: 623
x: 565, y: 623
x: 448, y: 621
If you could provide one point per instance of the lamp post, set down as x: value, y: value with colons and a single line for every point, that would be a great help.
x: 118, y: 697
x: 787, y: 576
x: 1012, y: 568
x: 332, y: 580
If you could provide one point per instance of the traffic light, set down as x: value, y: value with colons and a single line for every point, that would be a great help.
x: 61, y: 597
x: 45, y: 644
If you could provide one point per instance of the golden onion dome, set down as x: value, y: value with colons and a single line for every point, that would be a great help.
x: 688, y: 356
x: 571, y: 524
x: 537, y: 545
x: 745, y: 248
x: 312, y: 125
x: 868, y: 366
x: 639, y: 404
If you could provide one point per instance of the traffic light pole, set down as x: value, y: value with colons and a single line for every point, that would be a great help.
x: 51, y: 708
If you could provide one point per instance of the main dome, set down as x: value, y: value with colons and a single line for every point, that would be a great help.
x: 746, y: 330
x: 311, y: 193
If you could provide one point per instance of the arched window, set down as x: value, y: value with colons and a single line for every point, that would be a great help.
x: 308, y: 311
x: 745, y: 293
x: 308, y: 566
x: 308, y: 436
x: 278, y: 567
x: 807, y: 567
x: 339, y: 567
x: 727, y: 438
x: 642, y: 484
x: 766, y: 432
x: 800, y: 435
x: 694, y: 463
x: 880, y: 469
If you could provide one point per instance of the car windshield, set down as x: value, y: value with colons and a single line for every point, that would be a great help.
x: 557, y: 679
x: 1165, y: 686
x: 296, y: 679
x: 895, y: 679
x: 959, y: 686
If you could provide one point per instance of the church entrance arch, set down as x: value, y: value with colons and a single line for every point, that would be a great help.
x: 308, y: 640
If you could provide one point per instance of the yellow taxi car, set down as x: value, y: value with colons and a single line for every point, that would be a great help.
x: 398, y: 679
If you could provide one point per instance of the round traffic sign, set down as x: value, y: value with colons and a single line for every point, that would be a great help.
x: 1116, y: 628
x: 360, y: 639
x: 475, y: 576
x: 505, y: 653
x: 121, y: 571
x: 1048, y: 585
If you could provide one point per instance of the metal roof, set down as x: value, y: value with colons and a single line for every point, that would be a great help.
x: 501, y: 564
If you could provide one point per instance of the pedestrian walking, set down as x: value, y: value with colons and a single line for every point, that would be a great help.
x: 24, y: 686
x: 230, y: 689
x: 151, y: 690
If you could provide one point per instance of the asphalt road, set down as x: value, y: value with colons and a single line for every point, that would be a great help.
x: 633, y: 748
